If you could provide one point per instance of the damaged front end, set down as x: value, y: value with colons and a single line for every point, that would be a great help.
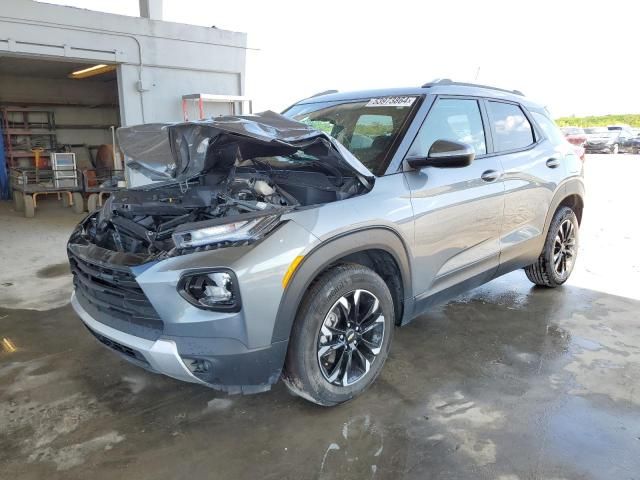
x: 222, y: 182
x: 228, y: 182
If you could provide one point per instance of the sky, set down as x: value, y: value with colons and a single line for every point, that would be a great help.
x: 575, y: 57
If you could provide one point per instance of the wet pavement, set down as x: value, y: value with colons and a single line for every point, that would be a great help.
x: 507, y: 382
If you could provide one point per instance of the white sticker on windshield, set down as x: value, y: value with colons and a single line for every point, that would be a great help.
x: 391, y: 102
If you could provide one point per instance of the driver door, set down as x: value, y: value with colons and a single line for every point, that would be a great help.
x: 457, y: 211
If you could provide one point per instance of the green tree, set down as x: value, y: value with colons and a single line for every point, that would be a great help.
x: 631, y: 119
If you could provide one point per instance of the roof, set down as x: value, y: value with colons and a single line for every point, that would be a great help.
x: 442, y: 87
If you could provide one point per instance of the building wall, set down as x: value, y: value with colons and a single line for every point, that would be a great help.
x: 158, y: 61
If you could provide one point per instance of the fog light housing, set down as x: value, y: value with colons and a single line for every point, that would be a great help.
x: 211, y: 290
x: 199, y: 367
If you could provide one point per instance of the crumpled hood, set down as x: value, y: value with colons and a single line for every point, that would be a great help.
x: 177, y: 151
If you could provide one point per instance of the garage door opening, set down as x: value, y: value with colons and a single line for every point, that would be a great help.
x: 52, y: 106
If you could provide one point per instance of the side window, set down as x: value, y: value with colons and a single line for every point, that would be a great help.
x: 550, y: 129
x: 451, y: 119
x: 512, y: 130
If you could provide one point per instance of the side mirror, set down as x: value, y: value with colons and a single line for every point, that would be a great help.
x: 445, y: 154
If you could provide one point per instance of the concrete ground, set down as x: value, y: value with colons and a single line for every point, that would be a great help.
x: 506, y: 382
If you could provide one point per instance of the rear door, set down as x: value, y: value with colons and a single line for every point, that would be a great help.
x: 534, y: 165
x: 458, y: 211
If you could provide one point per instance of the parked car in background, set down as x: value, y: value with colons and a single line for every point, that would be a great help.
x: 576, y: 137
x: 623, y: 127
x: 592, y: 131
x: 627, y: 140
x: 608, y: 140
x: 634, y: 144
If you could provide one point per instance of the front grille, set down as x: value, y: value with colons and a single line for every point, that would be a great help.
x: 118, y: 347
x: 112, y: 296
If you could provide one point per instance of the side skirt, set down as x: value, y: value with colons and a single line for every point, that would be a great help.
x: 423, y: 304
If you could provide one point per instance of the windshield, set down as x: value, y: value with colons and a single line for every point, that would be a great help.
x: 596, y: 130
x: 368, y: 128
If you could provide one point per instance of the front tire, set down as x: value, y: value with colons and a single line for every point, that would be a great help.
x: 556, y: 262
x: 341, y: 336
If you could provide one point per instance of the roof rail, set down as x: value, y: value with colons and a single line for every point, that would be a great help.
x: 326, y: 92
x: 448, y: 81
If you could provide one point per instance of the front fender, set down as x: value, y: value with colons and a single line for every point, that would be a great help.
x: 323, y: 255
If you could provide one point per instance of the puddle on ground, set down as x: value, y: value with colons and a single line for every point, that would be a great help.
x: 52, y: 271
x: 586, y: 343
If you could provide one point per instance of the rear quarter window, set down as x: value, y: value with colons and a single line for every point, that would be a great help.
x: 550, y: 129
x: 511, y: 129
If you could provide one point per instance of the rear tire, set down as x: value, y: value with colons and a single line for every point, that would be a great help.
x: 556, y: 262
x: 341, y: 336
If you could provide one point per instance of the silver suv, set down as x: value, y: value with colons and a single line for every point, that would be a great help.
x: 290, y: 246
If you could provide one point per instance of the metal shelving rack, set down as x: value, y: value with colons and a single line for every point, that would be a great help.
x: 26, y: 129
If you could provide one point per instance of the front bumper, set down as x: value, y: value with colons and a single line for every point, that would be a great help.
x: 136, y: 311
x: 133, y: 307
x: 233, y: 370
x: 160, y: 356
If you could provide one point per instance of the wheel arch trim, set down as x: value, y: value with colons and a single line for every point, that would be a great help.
x: 571, y: 187
x: 319, y: 258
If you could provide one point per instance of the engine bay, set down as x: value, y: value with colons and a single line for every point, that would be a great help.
x: 143, y: 220
x: 216, y: 173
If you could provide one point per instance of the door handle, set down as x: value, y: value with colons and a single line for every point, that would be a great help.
x: 553, y: 163
x: 490, y: 175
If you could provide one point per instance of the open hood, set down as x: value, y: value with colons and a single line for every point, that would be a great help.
x: 181, y: 151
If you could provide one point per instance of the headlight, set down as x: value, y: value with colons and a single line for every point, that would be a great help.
x: 212, y: 290
x: 216, y: 232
